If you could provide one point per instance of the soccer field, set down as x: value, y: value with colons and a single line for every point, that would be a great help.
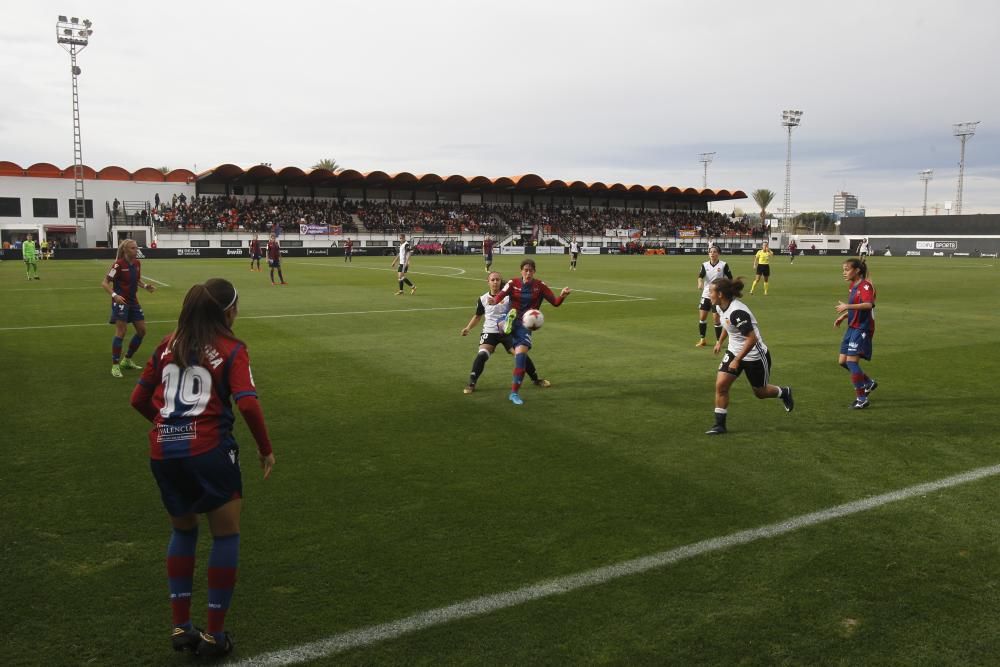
x: 394, y: 494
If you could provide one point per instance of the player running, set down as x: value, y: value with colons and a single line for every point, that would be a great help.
x: 122, y: 282
x: 711, y: 271
x: 186, y: 391
x: 493, y: 334
x: 402, y: 258
x: 525, y: 293
x: 746, y: 351
x: 859, y: 311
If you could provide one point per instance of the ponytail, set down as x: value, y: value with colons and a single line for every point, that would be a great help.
x: 729, y: 288
x: 202, y: 320
x: 861, y: 267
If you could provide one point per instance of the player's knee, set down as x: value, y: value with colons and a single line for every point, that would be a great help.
x: 485, y: 354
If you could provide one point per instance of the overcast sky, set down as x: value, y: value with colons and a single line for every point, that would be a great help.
x: 626, y: 92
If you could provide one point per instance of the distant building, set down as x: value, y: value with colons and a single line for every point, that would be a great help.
x: 844, y: 203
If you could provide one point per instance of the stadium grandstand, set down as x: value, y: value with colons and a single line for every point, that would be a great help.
x: 222, y: 207
x: 216, y: 212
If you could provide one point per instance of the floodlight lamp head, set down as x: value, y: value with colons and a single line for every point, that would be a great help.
x: 791, y: 117
x: 965, y: 129
x: 87, y: 23
x: 74, y: 20
x: 62, y: 18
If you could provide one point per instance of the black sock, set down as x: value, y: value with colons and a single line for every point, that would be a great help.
x: 478, y: 366
x: 702, y: 328
x: 407, y: 281
x: 529, y: 368
x: 400, y: 285
x: 718, y: 331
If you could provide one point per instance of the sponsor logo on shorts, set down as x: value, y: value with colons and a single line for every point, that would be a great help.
x: 173, y: 433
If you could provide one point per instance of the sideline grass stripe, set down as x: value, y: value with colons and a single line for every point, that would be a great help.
x: 490, y: 603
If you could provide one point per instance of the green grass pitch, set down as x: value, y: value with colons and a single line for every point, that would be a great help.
x: 394, y: 493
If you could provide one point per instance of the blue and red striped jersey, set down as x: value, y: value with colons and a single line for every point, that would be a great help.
x: 862, y: 292
x: 525, y: 296
x: 193, y: 405
x: 125, y: 279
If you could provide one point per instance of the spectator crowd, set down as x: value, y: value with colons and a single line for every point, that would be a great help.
x: 218, y: 213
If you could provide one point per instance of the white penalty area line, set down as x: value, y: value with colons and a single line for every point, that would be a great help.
x: 488, y: 604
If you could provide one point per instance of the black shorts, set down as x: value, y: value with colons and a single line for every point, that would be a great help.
x: 758, y: 371
x: 199, y: 484
x: 706, y: 305
x: 764, y: 270
x: 495, y: 339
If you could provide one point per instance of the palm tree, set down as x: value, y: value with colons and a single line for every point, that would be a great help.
x: 763, y: 198
x: 327, y: 163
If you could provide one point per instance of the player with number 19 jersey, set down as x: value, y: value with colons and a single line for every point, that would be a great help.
x: 193, y: 405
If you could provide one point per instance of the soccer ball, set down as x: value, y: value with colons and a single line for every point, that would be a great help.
x: 533, y: 320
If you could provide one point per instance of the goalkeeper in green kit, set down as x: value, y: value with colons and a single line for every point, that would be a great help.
x: 29, y: 251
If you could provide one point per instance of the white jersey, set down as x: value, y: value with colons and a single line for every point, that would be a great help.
x: 493, y: 316
x: 404, y: 253
x: 709, y: 274
x: 739, y: 323
x: 574, y: 248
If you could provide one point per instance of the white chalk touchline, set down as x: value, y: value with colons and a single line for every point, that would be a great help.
x: 327, y: 314
x: 487, y: 604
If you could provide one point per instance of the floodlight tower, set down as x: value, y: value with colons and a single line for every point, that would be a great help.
x: 790, y: 118
x: 74, y: 35
x: 963, y: 131
x: 925, y: 176
x: 705, y: 159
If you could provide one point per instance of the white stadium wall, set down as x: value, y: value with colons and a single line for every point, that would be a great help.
x: 100, y: 192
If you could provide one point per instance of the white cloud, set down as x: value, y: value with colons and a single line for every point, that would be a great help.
x: 628, y: 93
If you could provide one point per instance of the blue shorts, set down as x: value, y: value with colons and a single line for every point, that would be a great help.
x: 857, y: 343
x: 521, y: 335
x: 255, y: 256
x: 126, y: 313
x: 199, y: 484
x: 274, y: 263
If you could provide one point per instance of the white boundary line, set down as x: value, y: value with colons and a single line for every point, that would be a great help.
x: 487, y: 604
x: 327, y: 314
